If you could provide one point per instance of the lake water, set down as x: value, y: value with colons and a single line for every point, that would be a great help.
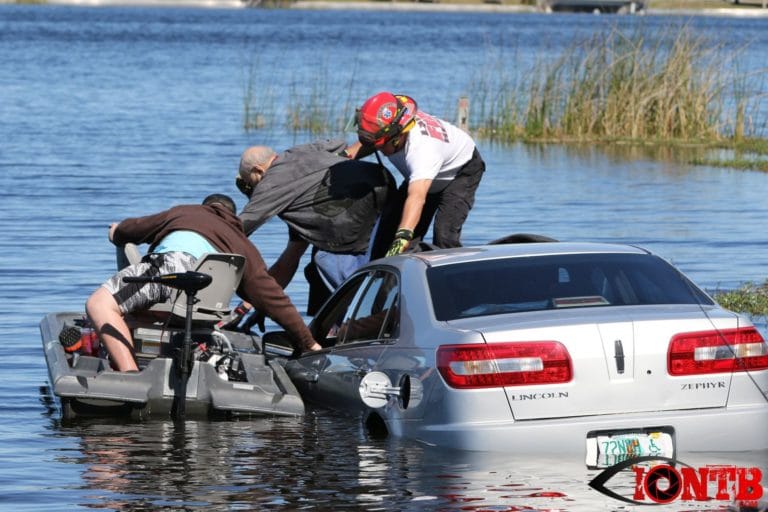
x: 115, y: 112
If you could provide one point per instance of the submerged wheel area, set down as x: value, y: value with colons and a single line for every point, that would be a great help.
x: 375, y: 426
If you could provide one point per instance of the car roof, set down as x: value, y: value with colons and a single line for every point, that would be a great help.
x: 441, y: 257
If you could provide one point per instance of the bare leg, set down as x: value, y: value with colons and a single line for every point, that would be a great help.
x: 109, y: 324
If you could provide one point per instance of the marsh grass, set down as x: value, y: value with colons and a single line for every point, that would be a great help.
x: 735, y: 163
x: 750, y: 298
x: 668, y: 87
x: 258, y: 100
x: 323, y: 107
x: 753, y: 145
x: 619, y: 86
x: 749, y: 154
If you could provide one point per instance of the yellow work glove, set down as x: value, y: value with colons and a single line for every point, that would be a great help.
x: 401, y: 241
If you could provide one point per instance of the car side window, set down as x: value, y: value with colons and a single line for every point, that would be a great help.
x: 375, y: 316
x: 325, y: 327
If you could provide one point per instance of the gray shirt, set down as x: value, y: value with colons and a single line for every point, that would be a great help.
x: 326, y: 199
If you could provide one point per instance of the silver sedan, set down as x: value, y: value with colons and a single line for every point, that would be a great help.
x: 602, y: 349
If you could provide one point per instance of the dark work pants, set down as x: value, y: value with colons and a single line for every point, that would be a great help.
x: 449, y: 208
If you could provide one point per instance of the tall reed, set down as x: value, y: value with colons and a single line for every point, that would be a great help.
x: 619, y: 86
x: 324, y: 106
x: 663, y: 86
x: 258, y: 101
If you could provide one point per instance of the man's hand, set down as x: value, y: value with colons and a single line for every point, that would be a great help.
x: 402, y: 238
x: 298, y: 351
x: 112, y: 228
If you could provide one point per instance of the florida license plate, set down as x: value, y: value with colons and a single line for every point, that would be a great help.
x: 606, y: 449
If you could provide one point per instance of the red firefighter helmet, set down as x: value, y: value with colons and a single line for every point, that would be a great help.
x: 383, y: 117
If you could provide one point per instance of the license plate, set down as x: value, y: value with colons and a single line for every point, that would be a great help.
x: 606, y: 449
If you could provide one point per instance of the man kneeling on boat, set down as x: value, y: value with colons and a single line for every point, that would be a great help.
x: 177, y: 238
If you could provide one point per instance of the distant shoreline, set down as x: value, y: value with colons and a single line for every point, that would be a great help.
x: 384, y: 5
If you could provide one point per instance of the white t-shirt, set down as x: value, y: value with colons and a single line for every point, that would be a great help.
x: 435, y: 150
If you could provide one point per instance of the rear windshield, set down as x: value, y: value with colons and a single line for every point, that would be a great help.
x: 510, y: 285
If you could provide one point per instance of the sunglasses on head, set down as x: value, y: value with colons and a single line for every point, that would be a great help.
x: 243, y: 186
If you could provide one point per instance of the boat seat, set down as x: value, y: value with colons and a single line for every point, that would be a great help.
x: 214, y: 301
x: 128, y: 254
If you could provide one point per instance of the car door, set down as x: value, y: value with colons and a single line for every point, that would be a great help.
x: 355, y: 326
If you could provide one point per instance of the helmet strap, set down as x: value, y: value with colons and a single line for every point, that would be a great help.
x: 378, y: 158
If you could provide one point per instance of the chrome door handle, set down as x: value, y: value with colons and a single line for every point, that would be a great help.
x: 618, y: 349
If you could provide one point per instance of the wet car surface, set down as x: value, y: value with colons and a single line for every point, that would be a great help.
x: 599, y: 349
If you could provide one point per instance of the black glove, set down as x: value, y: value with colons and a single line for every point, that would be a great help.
x: 256, y: 318
x: 233, y: 319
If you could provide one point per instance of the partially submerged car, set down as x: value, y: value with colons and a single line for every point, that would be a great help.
x: 556, y: 347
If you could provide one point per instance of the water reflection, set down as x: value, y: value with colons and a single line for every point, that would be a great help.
x: 621, y: 153
x: 180, y: 465
x: 324, y: 461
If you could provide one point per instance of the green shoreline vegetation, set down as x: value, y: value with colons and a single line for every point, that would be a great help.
x: 615, y: 87
x: 749, y: 298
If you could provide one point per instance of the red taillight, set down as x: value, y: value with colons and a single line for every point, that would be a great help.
x: 729, y: 350
x: 504, y: 364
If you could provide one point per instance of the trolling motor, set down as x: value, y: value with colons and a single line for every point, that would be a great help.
x: 190, y: 283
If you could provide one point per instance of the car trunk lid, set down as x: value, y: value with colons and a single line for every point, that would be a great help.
x: 619, y: 361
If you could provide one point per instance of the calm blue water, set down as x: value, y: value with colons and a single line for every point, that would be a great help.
x: 114, y: 112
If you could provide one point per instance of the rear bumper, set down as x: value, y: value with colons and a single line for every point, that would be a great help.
x: 707, y: 430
